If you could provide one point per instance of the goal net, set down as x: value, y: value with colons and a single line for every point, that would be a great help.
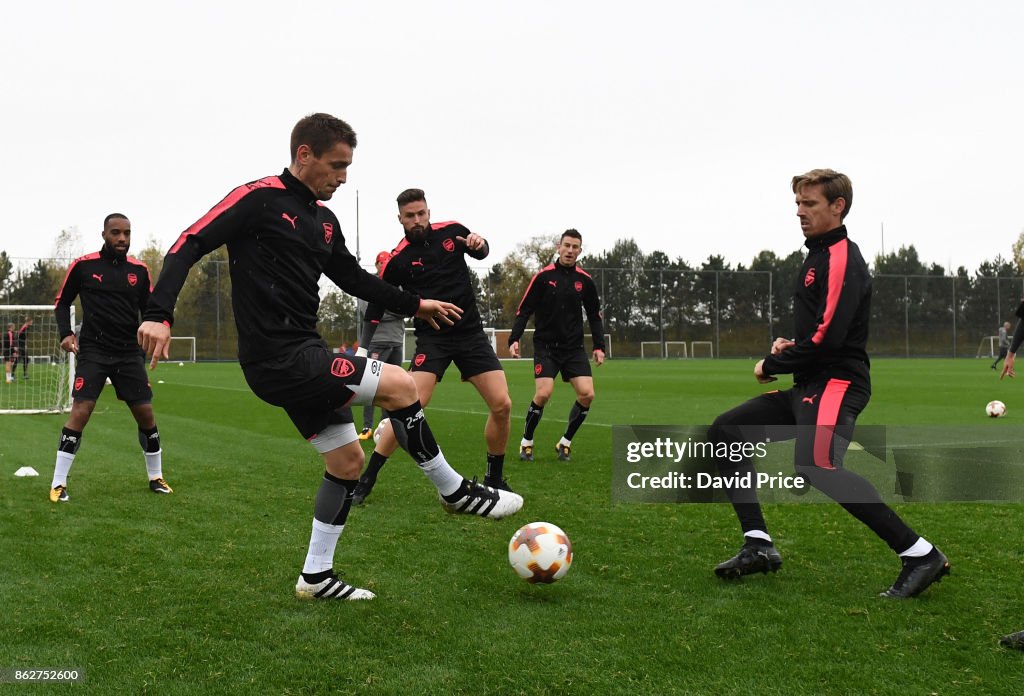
x: 988, y: 348
x: 651, y: 349
x: 182, y: 349
x: 41, y: 371
x: 702, y: 349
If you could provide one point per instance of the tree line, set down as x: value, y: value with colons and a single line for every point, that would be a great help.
x: 918, y: 308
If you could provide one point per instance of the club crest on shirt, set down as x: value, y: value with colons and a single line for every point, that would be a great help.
x: 342, y: 367
x: 448, y: 244
x: 132, y: 279
x: 809, y: 278
x: 578, y: 285
x: 328, y: 232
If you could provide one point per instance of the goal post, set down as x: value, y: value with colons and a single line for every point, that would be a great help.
x: 988, y: 348
x: 182, y: 349
x: 676, y: 349
x: 42, y: 373
x: 702, y: 349
x: 652, y: 349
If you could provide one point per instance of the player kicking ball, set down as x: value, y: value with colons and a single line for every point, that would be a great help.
x: 281, y: 239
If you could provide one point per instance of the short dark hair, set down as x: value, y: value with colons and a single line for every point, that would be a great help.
x: 411, y: 196
x: 833, y: 185
x: 113, y: 216
x: 321, y: 132
x: 571, y: 232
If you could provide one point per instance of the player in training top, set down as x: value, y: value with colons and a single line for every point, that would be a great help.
x: 23, y: 347
x: 431, y: 260
x: 114, y: 289
x: 558, y: 295
x: 280, y: 240
x: 9, y: 352
x: 388, y: 340
x: 831, y: 385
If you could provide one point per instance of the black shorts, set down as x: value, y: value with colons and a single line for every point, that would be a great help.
x: 391, y: 353
x: 314, y: 386
x: 126, y: 372
x: 471, y: 352
x: 571, y: 362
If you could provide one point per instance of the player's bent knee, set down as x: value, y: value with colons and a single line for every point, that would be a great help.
x: 397, y: 389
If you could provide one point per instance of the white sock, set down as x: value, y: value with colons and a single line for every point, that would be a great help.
x: 61, y: 468
x: 446, y: 479
x: 921, y: 547
x: 758, y: 534
x: 322, y: 541
x: 154, y: 467
x: 525, y: 443
x: 563, y: 441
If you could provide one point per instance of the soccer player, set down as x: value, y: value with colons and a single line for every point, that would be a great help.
x: 23, y: 347
x: 388, y: 340
x: 114, y: 289
x: 831, y: 386
x: 10, y: 353
x: 1004, y: 343
x: 281, y: 238
x: 1013, y: 640
x: 559, y: 294
x: 431, y: 260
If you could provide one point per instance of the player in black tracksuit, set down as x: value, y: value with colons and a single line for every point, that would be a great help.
x: 113, y: 288
x: 9, y: 353
x: 1014, y: 640
x: 23, y: 347
x: 431, y: 260
x: 558, y: 295
x: 829, y: 363
x: 280, y: 239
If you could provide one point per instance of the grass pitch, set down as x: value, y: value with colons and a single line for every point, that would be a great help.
x: 193, y: 592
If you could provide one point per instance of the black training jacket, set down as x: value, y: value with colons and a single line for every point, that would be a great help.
x: 831, y: 308
x: 435, y: 267
x: 280, y: 239
x: 558, y: 295
x: 114, y: 289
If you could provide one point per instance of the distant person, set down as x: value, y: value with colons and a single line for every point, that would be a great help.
x: 1014, y: 640
x: 1004, y: 342
x: 281, y: 240
x: 559, y: 294
x: 9, y: 352
x: 431, y: 260
x: 831, y: 386
x: 23, y: 347
x: 114, y: 289
x: 388, y: 340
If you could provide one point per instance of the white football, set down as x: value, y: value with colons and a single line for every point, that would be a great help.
x: 540, y: 552
x: 995, y: 409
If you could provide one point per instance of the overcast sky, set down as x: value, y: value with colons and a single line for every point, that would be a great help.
x: 676, y: 124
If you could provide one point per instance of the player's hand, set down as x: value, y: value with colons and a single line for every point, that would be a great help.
x: 1008, y: 366
x: 474, y: 242
x: 782, y: 344
x: 598, y: 357
x: 155, y: 339
x: 760, y: 375
x: 70, y: 344
x: 432, y: 311
x: 513, y: 349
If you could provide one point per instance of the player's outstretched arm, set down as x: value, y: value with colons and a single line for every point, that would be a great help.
x: 431, y: 311
x: 155, y: 339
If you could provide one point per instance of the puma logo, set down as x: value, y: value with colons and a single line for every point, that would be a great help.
x: 552, y: 283
x: 418, y: 262
x: 810, y: 399
x: 98, y: 277
x: 290, y: 219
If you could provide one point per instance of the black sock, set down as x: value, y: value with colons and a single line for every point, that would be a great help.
x: 577, y: 415
x: 495, y: 465
x: 333, y: 500
x: 413, y: 433
x: 70, y: 440
x: 377, y: 462
x: 150, y: 440
x: 533, y: 416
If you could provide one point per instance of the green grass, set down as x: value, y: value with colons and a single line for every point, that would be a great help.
x: 192, y: 593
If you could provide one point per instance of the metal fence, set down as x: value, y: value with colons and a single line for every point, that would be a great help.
x: 652, y: 312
